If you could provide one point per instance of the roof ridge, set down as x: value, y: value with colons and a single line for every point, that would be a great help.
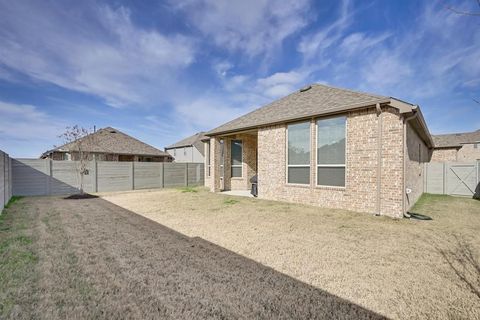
x: 348, y: 90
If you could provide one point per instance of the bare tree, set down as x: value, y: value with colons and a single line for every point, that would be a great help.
x: 79, y: 141
x: 464, y: 12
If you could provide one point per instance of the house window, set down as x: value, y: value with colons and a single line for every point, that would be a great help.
x: 298, y: 149
x: 208, y: 158
x: 331, y: 151
x: 174, y: 152
x: 236, y: 152
x: 475, y: 145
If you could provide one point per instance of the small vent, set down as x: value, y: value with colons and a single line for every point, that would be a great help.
x: 305, y: 88
x: 113, y: 131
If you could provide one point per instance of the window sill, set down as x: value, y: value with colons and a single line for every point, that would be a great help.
x: 330, y: 188
x: 297, y: 185
x: 236, y: 178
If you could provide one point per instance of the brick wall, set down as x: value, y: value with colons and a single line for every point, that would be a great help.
x: 360, y: 192
x: 444, y: 155
x: 469, y: 153
x: 417, y: 155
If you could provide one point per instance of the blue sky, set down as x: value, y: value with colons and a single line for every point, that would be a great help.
x: 161, y: 71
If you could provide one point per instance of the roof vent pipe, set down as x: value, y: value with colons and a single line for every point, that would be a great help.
x: 305, y: 88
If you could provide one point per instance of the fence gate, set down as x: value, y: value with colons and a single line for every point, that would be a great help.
x: 452, y: 178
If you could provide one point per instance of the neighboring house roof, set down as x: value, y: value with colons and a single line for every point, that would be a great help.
x: 315, y: 100
x: 318, y: 99
x: 111, y: 140
x: 455, y: 140
x: 195, y: 141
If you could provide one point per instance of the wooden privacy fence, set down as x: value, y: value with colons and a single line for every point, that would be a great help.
x: 50, y: 177
x: 452, y: 178
x: 5, y: 179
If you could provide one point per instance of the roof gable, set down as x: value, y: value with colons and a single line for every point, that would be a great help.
x: 455, y: 139
x: 313, y: 100
x: 195, y: 141
x: 111, y: 140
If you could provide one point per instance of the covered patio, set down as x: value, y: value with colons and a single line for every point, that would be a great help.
x: 232, y: 162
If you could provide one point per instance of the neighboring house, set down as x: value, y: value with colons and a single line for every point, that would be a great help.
x: 457, y: 147
x: 325, y: 146
x: 190, y: 149
x: 110, y: 144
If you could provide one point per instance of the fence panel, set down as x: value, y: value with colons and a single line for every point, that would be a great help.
x: 3, y: 181
x: 114, y: 176
x: 461, y: 178
x: 148, y: 175
x: 33, y: 177
x: 452, y: 178
x: 174, y: 174
x: 195, y: 174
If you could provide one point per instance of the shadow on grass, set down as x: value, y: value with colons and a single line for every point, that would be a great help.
x: 464, y: 264
x: 175, y: 276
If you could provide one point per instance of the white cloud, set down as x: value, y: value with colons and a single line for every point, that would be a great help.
x: 358, y: 42
x: 281, y: 83
x: 314, y: 44
x: 92, y: 49
x: 27, y: 131
x: 250, y: 26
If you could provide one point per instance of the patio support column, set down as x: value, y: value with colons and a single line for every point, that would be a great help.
x: 215, y: 159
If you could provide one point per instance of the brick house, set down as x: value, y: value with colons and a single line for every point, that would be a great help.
x: 110, y: 144
x: 325, y: 146
x: 457, y: 147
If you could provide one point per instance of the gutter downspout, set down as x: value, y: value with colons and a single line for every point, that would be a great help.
x: 379, y: 158
x: 405, y: 151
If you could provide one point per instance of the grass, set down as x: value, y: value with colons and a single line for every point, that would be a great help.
x: 230, y: 201
x: 18, y: 258
x: 399, y: 268
x: 189, y: 190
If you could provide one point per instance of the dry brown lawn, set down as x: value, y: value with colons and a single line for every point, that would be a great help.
x: 91, y: 259
x: 401, y: 269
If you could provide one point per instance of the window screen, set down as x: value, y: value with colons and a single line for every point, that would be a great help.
x: 331, y: 151
x: 208, y: 158
x: 298, y: 145
x: 236, y: 152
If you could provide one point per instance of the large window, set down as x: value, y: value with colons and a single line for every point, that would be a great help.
x: 331, y: 151
x: 298, y: 153
x: 236, y: 152
x: 208, y: 158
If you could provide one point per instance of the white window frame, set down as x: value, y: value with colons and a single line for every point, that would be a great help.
x: 298, y: 165
x: 330, y: 165
x: 231, y: 160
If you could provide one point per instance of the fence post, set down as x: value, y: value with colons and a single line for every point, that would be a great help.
x: 163, y: 174
x: 48, y: 168
x: 94, y: 175
x: 132, y: 174
x: 186, y: 174
x: 445, y: 173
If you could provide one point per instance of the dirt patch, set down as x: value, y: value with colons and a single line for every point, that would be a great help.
x: 97, y: 260
x: 399, y: 268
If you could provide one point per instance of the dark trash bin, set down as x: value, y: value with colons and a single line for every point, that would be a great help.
x: 254, y: 190
x: 477, y: 192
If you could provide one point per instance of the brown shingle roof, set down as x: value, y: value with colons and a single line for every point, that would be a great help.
x: 455, y: 139
x: 195, y: 140
x: 111, y: 140
x: 319, y: 99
